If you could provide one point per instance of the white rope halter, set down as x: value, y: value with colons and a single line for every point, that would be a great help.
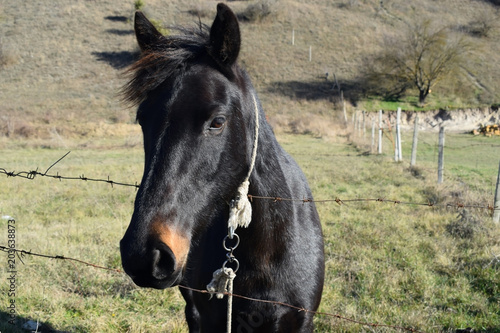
x: 240, y: 215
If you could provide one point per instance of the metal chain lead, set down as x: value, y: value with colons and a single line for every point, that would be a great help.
x: 229, y: 255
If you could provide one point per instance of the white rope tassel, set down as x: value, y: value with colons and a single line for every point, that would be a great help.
x: 240, y: 214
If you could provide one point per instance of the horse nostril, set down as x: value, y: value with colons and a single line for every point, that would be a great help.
x: 163, y: 261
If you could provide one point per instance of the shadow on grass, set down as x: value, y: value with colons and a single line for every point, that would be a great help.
x: 117, y: 60
x: 320, y: 89
x: 493, y: 2
x: 16, y: 325
x: 117, y: 18
x: 120, y: 32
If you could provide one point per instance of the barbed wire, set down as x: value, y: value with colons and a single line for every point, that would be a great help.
x: 22, y: 253
x: 299, y: 309
x: 31, y: 175
x: 341, y: 202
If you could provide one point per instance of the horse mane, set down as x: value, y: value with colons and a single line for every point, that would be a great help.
x: 163, y: 61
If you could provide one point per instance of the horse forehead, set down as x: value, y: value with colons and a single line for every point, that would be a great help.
x: 196, y: 100
x: 206, y: 85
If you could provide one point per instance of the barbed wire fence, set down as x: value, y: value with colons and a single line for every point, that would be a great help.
x: 31, y: 175
x: 34, y: 174
x: 23, y: 253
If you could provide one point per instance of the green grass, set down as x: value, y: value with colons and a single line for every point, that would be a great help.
x: 387, y: 264
x: 470, y: 161
x: 410, y: 102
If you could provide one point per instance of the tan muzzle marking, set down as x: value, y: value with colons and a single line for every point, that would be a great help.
x: 177, y: 242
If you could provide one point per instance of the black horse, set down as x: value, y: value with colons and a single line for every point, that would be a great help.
x: 197, y: 113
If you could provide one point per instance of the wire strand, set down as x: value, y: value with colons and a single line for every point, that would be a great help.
x: 23, y: 253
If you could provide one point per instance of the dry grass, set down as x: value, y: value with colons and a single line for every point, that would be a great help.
x: 68, y: 58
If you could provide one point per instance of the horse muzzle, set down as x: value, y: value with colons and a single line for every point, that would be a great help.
x: 159, y: 262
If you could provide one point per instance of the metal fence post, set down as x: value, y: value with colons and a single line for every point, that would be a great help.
x: 380, y: 131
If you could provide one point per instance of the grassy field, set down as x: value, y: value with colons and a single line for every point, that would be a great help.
x: 432, y: 269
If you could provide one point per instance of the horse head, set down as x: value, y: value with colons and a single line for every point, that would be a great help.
x: 195, y: 108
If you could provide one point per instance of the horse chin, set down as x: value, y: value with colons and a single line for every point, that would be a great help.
x: 152, y: 282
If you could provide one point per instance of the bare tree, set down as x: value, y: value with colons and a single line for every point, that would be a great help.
x: 420, y: 59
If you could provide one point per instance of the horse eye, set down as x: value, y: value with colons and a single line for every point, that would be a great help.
x: 217, y: 123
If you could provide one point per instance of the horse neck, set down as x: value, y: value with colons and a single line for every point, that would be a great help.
x: 272, y: 176
x: 268, y: 236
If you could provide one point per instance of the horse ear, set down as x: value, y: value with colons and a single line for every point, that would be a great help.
x: 146, y: 33
x: 225, y: 36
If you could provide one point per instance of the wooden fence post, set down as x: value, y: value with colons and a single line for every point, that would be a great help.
x: 373, y: 135
x: 355, y: 123
x: 397, y: 145
x: 396, y: 152
x: 398, y: 136
x: 441, y: 155
x: 364, y: 124
x: 496, y: 204
x: 358, y: 127
x: 380, y: 131
x: 414, y: 144
x: 343, y: 106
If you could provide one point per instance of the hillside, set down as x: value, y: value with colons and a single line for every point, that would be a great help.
x: 61, y: 62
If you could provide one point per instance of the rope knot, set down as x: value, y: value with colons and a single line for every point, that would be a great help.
x: 221, y: 280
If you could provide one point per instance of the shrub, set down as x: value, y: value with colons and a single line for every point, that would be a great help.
x: 417, y: 172
x: 139, y: 4
x: 432, y: 195
x: 159, y: 26
x: 482, y: 24
x: 7, y: 57
x: 466, y: 226
x: 258, y: 11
